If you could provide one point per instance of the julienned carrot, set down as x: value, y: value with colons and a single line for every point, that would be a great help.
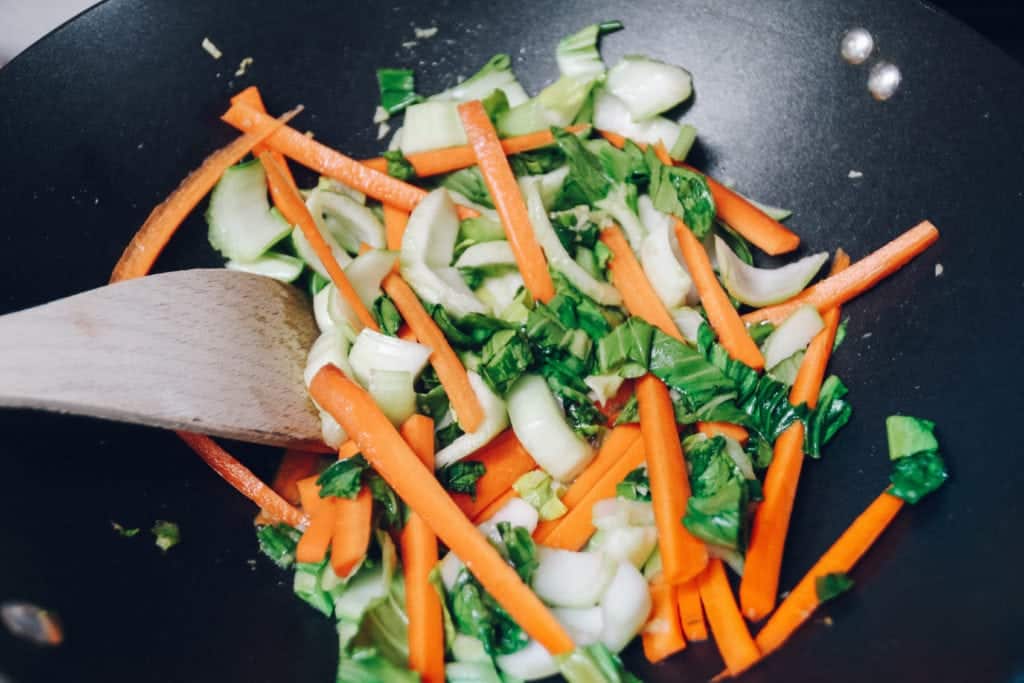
x: 251, y: 97
x: 329, y: 162
x: 392, y: 458
x: 662, y: 636
x: 295, y: 465
x: 618, y: 441
x: 353, y: 526
x: 419, y: 556
x: 636, y: 290
x: 347, y: 450
x: 290, y: 203
x: 732, y: 333
x: 242, y: 478
x: 494, y: 506
x: 728, y: 429
x: 760, y: 584
x: 446, y: 363
x: 801, y: 602
x: 316, y: 539
x: 395, y: 220
x: 683, y: 557
x: 858, y: 278
x: 691, y: 613
x: 758, y: 227
x: 309, y: 495
x: 738, y: 649
x: 504, y: 460
x: 163, y: 221
x: 508, y: 201
x: 572, y: 531
x: 438, y: 161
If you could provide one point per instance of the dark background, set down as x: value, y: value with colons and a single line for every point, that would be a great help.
x: 1000, y: 22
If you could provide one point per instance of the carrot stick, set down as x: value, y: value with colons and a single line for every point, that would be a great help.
x: 572, y: 531
x: 735, y: 432
x: 242, y: 478
x: 163, y: 221
x: 405, y: 334
x: 618, y: 442
x: 732, y: 638
x: 295, y: 465
x: 317, y: 536
x: 857, y: 279
x: 395, y: 221
x: 438, y: 161
x: 329, y: 162
x: 495, y: 505
x: 419, y: 555
x: 662, y: 636
x: 682, y: 555
x: 508, y: 201
x: 392, y: 458
x: 251, y: 97
x: 347, y: 450
x: 760, y: 583
x: 691, y: 613
x: 801, y: 602
x: 754, y: 224
x: 309, y: 494
x: 505, y: 460
x: 353, y: 525
x: 291, y: 205
x: 636, y: 290
x: 446, y: 363
x: 732, y: 334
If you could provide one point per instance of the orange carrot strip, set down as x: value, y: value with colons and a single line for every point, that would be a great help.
x: 242, y: 478
x: 329, y: 162
x: 617, y: 443
x: 309, y: 494
x: 295, y: 465
x: 661, y: 152
x: 347, y: 450
x: 405, y: 334
x: 732, y: 638
x: 395, y: 220
x: 163, y: 221
x: 438, y: 161
x: 728, y: 429
x: 251, y: 97
x: 662, y: 636
x: 682, y: 555
x: 857, y: 279
x: 447, y: 364
x: 572, y: 531
x: 419, y: 556
x: 317, y: 537
x: 353, y: 526
x: 732, y: 333
x: 291, y: 205
x: 636, y: 290
x: 754, y: 224
x: 508, y: 201
x: 495, y: 505
x: 760, y: 583
x: 691, y: 613
x: 392, y: 458
x: 505, y: 460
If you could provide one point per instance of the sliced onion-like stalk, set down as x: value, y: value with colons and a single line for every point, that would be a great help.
x: 347, y: 220
x: 566, y: 578
x: 277, y: 266
x: 648, y: 87
x: 612, y: 115
x: 499, y: 291
x: 540, y: 425
x: 497, y: 253
x: 431, y: 125
x: 393, y: 393
x: 584, y: 624
x: 661, y: 262
x: 375, y: 351
x: 688, y: 320
x: 794, y: 334
x: 603, y: 387
x: 495, y: 421
x: 305, y: 251
x: 529, y: 664
x: 625, y: 606
x: 764, y: 286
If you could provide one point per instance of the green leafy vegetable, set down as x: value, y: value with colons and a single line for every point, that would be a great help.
x: 433, y: 403
x: 684, y: 142
x: 685, y: 370
x: 739, y: 246
x: 828, y: 417
x: 909, y: 435
x: 343, y: 478
x: 365, y: 665
x: 840, y: 334
x: 398, y: 166
x: 626, y: 350
x: 577, y: 54
x: 717, y: 509
x: 567, y: 384
x: 917, y: 467
x: 537, y: 162
x: 477, y: 614
x: 495, y: 104
x: 787, y: 370
x: 630, y: 412
x: 278, y: 541
x: 829, y: 586
x: 307, y: 586
x: 505, y: 358
x: 166, y: 534
x: 397, y: 89
x: 519, y: 549
x: 587, y: 182
x: 462, y: 476
x: 636, y: 486
x: 123, y: 532
x: 758, y: 332
x: 443, y: 436
x: 470, y: 184
x: 387, y: 500
x: 541, y: 491
x: 386, y: 315
x: 682, y: 193
x: 594, y: 664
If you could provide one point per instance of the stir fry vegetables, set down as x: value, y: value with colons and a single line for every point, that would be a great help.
x: 552, y: 375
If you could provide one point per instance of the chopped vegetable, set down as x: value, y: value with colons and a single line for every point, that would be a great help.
x: 662, y: 636
x: 166, y: 534
x: 832, y: 585
x: 648, y: 87
x: 462, y: 476
x: 732, y: 638
x: 397, y: 89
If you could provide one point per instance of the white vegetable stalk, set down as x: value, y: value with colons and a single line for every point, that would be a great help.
x: 555, y: 105
x: 431, y: 125
x: 495, y: 421
x: 763, y: 286
x: 375, y: 351
x: 392, y: 391
x: 516, y: 512
x: 794, y: 334
x: 625, y: 606
x: 612, y: 115
x: 367, y: 271
x: 305, y: 250
x: 347, y: 220
x: 497, y: 253
x: 528, y: 664
x: 615, y: 204
x: 688, y: 320
x: 540, y: 425
x: 279, y: 267
x: 648, y: 87
x: 660, y: 258
x: 330, y: 348
x: 495, y: 75
x: 565, y: 578
x: 583, y: 624
x: 499, y: 291
x: 559, y: 259
x: 603, y: 387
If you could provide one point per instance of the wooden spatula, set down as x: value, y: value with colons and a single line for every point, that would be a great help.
x: 210, y: 351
